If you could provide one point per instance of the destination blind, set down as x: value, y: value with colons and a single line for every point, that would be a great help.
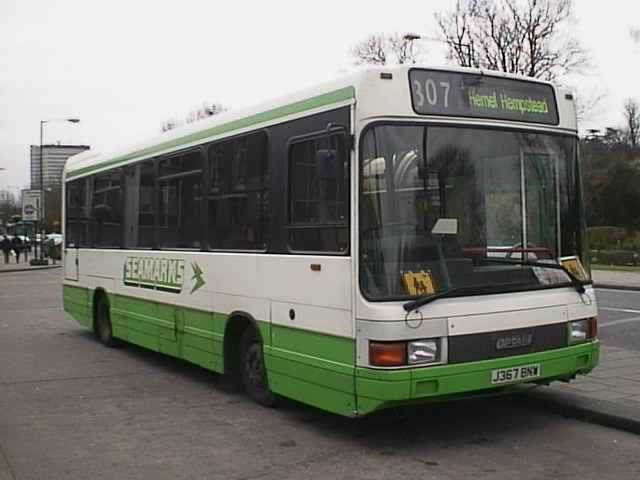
x: 435, y: 92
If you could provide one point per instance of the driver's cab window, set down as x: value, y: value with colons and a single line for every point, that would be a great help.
x: 495, y: 190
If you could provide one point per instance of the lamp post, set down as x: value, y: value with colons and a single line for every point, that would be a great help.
x: 41, y: 260
x: 411, y: 36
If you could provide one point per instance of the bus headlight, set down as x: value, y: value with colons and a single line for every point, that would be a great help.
x: 423, y: 351
x: 581, y: 330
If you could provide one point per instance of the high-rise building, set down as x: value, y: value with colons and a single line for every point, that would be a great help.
x: 54, y: 159
x: 7, y: 196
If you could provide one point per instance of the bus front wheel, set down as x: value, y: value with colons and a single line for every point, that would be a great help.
x: 103, y: 329
x: 253, y: 371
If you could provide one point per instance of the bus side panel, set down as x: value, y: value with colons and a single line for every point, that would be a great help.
x: 202, y: 337
x: 77, y: 303
x: 313, y: 368
x: 311, y: 356
x: 136, y: 321
x: 191, y: 334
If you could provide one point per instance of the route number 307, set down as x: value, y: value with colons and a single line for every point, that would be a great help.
x: 429, y: 91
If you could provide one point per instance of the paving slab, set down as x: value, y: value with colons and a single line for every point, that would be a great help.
x: 606, y: 396
x: 5, y: 469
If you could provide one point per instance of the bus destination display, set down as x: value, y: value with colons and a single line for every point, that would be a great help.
x: 470, y: 95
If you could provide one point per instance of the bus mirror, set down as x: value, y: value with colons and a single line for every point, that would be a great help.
x: 445, y: 226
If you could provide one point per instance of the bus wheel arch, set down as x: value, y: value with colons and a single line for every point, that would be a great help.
x: 102, y: 327
x: 243, y: 341
x: 237, y: 323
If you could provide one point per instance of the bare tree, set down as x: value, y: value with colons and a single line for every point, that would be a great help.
x: 632, y: 122
x: 613, y: 136
x: 371, y: 50
x: 456, y: 28
x: 170, y: 124
x: 588, y: 103
x: 203, y: 111
x: 9, y: 207
x: 384, y: 49
x: 634, y: 33
x: 525, y: 37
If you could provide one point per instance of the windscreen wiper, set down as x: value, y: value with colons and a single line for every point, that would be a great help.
x: 471, y: 290
x: 452, y: 292
x: 575, y: 281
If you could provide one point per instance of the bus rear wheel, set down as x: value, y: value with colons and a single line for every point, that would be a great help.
x: 253, y: 371
x: 103, y: 329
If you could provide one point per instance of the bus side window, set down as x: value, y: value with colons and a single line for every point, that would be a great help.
x: 238, y: 196
x: 76, y: 214
x: 106, y: 209
x: 319, y: 195
x: 138, y: 216
x: 179, y: 200
x: 71, y: 215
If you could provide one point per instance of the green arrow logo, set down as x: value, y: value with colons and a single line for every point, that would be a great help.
x: 197, y: 276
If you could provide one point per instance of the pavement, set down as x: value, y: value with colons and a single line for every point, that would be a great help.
x: 24, y: 266
x: 616, y: 279
x: 609, y: 395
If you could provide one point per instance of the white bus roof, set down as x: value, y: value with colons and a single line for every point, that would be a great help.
x: 363, y: 84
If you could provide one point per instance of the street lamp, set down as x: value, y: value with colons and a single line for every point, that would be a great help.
x: 41, y: 260
x: 411, y: 36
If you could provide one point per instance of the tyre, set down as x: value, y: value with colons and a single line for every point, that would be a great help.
x: 253, y: 371
x: 103, y: 330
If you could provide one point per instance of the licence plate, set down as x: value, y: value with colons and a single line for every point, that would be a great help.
x: 515, y: 374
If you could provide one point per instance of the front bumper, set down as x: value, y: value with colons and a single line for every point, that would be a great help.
x: 376, y: 389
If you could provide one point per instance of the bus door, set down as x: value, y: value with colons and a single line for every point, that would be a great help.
x: 75, y: 232
x: 522, y: 206
x: 71, y: 263
x: 540, y: 200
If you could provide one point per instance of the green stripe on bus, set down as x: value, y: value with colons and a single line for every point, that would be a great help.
x: 77, y: 304
x: 311, y: 367
x: 322, y: 362
x: 384, y: 388
x: 329, y: 98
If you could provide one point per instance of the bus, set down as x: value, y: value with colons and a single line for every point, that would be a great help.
x: 397, y: 236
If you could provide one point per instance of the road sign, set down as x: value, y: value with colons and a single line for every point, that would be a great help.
x: 31, y: 202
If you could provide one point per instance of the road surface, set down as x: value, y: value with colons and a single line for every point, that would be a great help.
x: 72, y: 409
x: 619, y: 318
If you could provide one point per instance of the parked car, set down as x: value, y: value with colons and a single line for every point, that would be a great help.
x: 53, y: 239
x: 53, y: 245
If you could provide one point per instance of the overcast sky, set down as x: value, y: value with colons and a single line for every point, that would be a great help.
x: 123, y: 67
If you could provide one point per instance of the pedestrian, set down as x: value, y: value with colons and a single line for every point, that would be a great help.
x: 5, y: 245
x: 17, y: 247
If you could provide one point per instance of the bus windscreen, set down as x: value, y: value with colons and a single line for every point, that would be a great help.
x: 457, y: 94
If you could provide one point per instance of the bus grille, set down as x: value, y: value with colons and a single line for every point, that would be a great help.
x: 505, y: 343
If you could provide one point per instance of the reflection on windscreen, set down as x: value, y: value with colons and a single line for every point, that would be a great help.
x: 512, y: 195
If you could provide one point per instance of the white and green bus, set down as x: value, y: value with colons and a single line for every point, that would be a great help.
x: 397, y: 236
